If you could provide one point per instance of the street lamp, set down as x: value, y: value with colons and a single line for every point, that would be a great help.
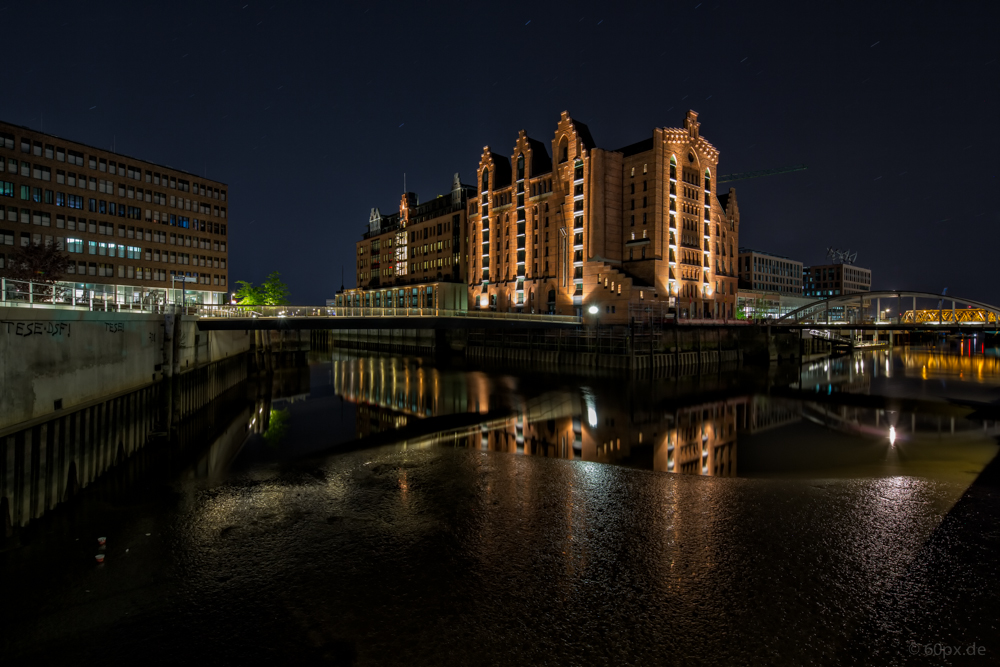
x: 593, y: 310
x: 183, y: 280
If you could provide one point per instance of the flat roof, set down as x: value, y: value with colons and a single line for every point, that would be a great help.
x: 105, y: 150
x: 746, y: 251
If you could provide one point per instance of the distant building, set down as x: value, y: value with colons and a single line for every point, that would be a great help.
x: 421, y: 243
x: 829, y: 280
x: 128, y: 226
x: 756, y: 304
x: 770, y: 273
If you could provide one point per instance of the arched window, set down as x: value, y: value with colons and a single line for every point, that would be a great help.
x: 563, y: 150
x: 486, y: 180
x: 673, y: 167
x: 520, y: 167
x: 708, y: 181
x: 644, y: 168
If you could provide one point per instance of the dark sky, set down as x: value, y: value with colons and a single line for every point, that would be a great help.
x: 312, y: 112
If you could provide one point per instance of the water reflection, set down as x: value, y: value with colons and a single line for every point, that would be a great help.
x: 939, y: 365
x: 629, y: 423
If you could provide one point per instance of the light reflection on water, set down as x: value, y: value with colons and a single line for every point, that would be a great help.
x: 640, y: 424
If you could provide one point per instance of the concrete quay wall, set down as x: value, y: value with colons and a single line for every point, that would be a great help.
x: 56, y: 359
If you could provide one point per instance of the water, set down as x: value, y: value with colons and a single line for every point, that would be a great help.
x: 383, y: 510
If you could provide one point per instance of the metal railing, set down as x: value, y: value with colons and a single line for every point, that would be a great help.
x: 354, y: 311
x: 30, y: 294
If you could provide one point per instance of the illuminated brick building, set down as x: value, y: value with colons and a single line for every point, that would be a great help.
x: 421, y: 243
x: 600, y: 231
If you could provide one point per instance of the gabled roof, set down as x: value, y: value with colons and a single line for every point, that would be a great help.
x: 541, y: 163
x: 501, y: 172
x: 637, y: 147
x: 584, y: 133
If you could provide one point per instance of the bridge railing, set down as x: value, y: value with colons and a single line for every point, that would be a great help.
x: 333, y: 312
x: 31, y: 294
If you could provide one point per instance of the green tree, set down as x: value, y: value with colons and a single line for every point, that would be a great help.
x: 248, y: 295
x: 273, y: 292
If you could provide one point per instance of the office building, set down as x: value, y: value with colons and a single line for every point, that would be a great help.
x: 128, y: 225
x: 770, y: 273
x: 835, y: 280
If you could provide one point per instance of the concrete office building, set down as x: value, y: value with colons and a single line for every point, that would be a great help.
x: 829, y: 280
x: 770, y: 273
x: 128, y: 225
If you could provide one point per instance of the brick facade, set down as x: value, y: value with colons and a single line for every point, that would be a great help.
x: 567, y: 227
x: 421, y: 243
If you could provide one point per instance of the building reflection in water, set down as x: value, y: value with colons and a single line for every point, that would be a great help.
x: 848, y: 374
x: 622, y: 423
x: 593, y: 423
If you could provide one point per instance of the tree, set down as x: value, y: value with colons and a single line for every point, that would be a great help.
x: 37, y: 262
x: 275, y: 291
x: 248, y: 295
x: 272, y: 293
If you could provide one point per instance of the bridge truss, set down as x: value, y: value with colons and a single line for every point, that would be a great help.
x: 887, y: 310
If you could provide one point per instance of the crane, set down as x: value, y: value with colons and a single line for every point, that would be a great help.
x: 727, y: 178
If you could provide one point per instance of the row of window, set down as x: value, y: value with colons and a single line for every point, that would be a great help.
x: 100, y: 248
x: 414, y: 267
x: 60, y: 154
x: 81, y: 181
x: 61, y: 199
x: 105, y: 270
x: 44, y: 219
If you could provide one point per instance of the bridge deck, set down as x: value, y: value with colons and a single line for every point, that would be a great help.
x: 285, y: 317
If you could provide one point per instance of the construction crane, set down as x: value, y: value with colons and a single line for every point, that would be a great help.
x: 727, y: 178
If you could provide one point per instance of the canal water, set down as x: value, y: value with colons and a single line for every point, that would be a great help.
x: 373, y: 509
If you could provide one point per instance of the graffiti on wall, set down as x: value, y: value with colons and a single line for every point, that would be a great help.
x: 25, y: 329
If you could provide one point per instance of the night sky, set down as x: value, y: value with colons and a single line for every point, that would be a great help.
x: 312, y: 113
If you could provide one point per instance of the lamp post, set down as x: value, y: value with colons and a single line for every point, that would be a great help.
x: 594, y: 310
x: 183, y: 280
